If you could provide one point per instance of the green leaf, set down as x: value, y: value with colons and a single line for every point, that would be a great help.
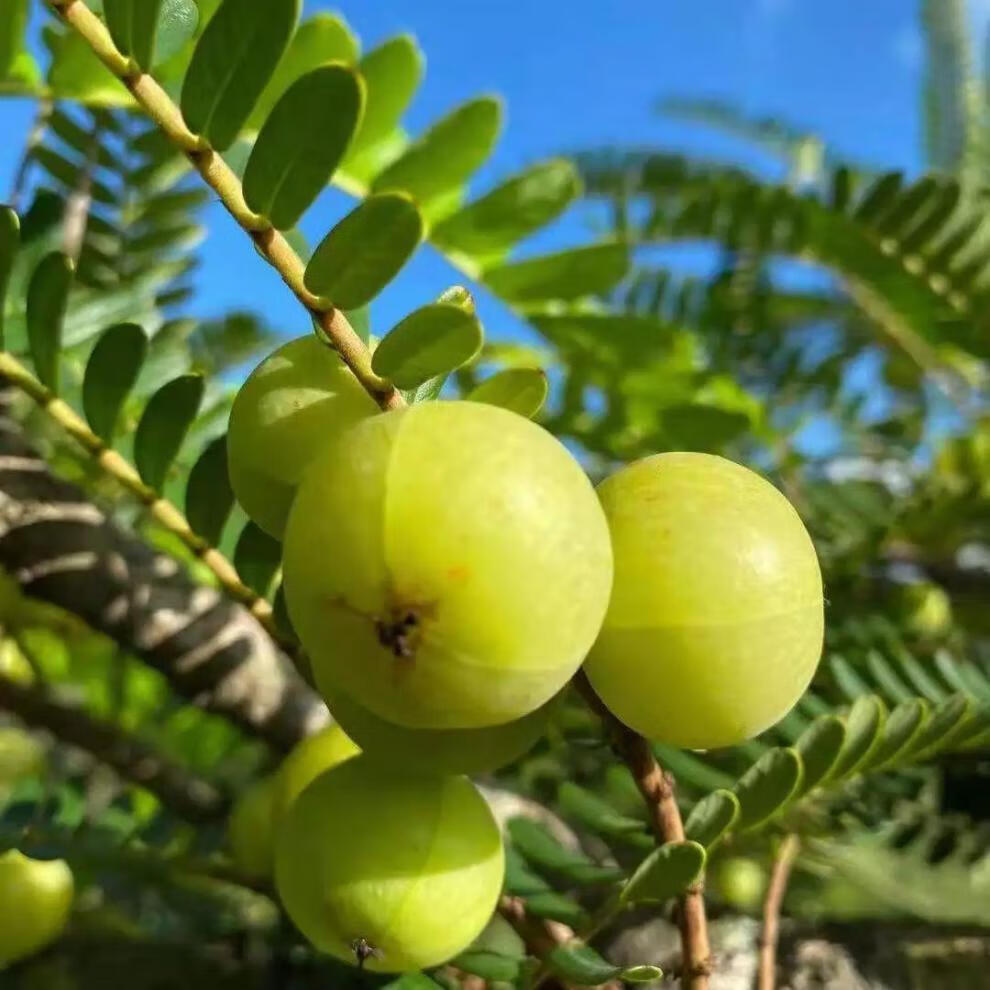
x: 13, y: 26
x: 232, y: 63
x: 323, y: 38
x: 111, y: 372
x: 392, y: 73
x: 702, y: 427
x: 430, y: 341
x: 541, y: 848
x: 10, y: 237
x: 163, y: 426
x: 491, y: 225
x: 523, y: 390
x: 598, y: 815
x: 946, y: 719
x: 578, y: 963
x: 520, y: 879
x: 209, y: 497
x: 491, y: 966
x: 257, y: 558
x: 556, y: 907
x: 365, y: 251
x: 901, y: 726
x: 133, y: 26
x: 712, y: 817
x: 641, y: 974
x: 47, y: 298
x: 177, y: 24
x: 77, y: 74
x: 864, y: 725
x: 446, y: 156
x: 566, y: 275
x: 411, y: 981
x: 819, y: 747
x: 301, y: 143
x: 767, y: 786
x: 667, y: 872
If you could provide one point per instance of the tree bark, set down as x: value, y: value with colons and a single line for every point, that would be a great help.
x: 62, y: 548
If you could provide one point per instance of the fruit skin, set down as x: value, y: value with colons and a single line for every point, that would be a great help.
x: 447, y: 565
x: 716, y: 619
x: 35, y: 901
x: 250, y: 833
x: 740, y: 881
x: 300, y: 395
x: 468, y: 751
x: 311, y: 757
x: 411, y: 864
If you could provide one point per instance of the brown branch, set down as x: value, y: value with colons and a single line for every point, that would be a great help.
x: 75, y: 217
x: 779, y: 876
x: 61, y: 547
x: 657, y: 789
x: 189, y: 796
x: 540, y: 935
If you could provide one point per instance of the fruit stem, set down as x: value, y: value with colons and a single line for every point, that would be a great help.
x: 656, y: 786
x: 779, y: 876
x: 271, y: 243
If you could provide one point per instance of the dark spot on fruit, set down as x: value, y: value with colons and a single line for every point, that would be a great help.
x: 400, y: 633
x: 363, y: 951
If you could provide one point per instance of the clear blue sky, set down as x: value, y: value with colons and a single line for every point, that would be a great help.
x: 579, y: 73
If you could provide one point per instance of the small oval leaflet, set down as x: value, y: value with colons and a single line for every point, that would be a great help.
x: 430, y: 341
x: 209, y: 497
x: 667, y: 872
x: 10, y: 236
x: 365, y: 251
x: 111, y: 372
x: 767, y: 786
x: 565, y: 275
x: 819, y: 747
x: 47, y: 298
x: 523, y: 390
x: 257, y: 558
x: 163, y: 426
x: 232, y: 63
x: 712, y: 817
x: 302, y: 142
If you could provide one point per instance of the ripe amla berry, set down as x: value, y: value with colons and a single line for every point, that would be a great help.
x: 316, y: 754
x: 467, y: 751
x: 715, y: 624
x: 447, y: 565
x: 397, y: 871
x: 35, y: 901
x: 283, y: 414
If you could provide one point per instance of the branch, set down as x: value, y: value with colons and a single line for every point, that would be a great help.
x: 539, y: 935
x: 779, y: 876
x: 189, y: 796
x: 271, y: 244
x: 62, y: 548
x: 657, y: 788
x: 75, y: 218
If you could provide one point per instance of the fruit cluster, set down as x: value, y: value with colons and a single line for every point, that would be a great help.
x: 448, y: 567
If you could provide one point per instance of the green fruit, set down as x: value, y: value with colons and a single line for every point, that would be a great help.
x: 35, y: 900
x: 250, y: 835
x: 467, y: 751
x: 716, y: 619
x: 21, y: 755
x: 739, y: 881
x: 928, y: 608
x: 402, y: 869
x: 295, y: 400
x: 314, y: 755
x: 447, y: 565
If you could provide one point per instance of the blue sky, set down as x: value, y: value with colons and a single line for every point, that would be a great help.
x: 580, y: 73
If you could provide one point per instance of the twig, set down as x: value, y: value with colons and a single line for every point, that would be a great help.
x: 75, y: 217
x: 271, y: 244
x: 657, y: 788
x: 779, y: 876
x: 189, y: 796
x: 540, y: 935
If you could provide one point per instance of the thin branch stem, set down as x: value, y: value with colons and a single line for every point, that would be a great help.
x: 160, y: 509
x: 779, y: 877
x: 539, y: 935
x: 189, y: 796
x: 271, y: 244
x: 657, y: 789
x: 75, y: 218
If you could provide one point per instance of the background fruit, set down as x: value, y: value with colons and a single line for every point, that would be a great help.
x: 310, y: 758
x: 296, y: 399
x: 739, y: 881
x: 715, y: 624
x: 250, y: 835
x: 435, y: 750
x: 21, y: 755
x: 447, y: 565
x: 35, y: 900
x: 411, y: 864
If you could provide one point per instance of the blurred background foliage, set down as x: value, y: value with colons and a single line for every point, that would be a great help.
x: 845, y: 303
